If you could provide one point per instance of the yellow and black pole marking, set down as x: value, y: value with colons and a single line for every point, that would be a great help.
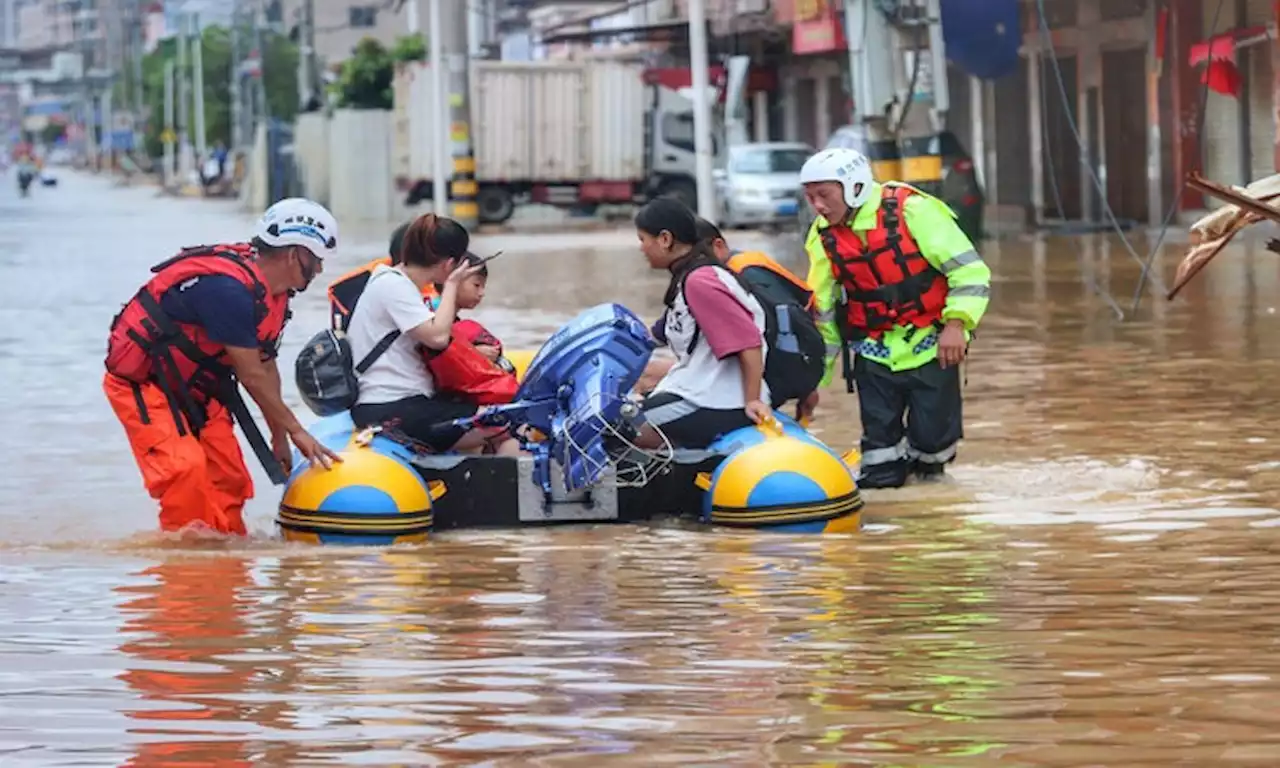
x: 921, y: 162
x: 463, y: 188
x: 884, y: 157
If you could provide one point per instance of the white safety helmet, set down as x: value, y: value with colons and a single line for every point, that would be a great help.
x: 848, y: 166
x: 298, y: 221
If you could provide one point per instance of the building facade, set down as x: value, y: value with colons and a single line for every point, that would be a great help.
x: 1099, y: 118
x: 94, y: 28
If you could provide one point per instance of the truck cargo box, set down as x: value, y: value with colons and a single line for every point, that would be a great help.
x: 550, y: 122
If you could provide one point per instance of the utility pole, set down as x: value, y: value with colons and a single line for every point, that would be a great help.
x: 439, y: 149
x: 237, y: 99
x: 169, y: 170
x: 463, y: 188
x: 900, y: 132
x: 198, y: 85
x: 261, y: 112
x: 184, y: 138
x: 138, y: 95
x: 702, y: 144
x: 306, y: 53
x: 412, y: 17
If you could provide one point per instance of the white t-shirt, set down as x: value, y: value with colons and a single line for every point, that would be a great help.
x: 390, y: 302
x: 698, y: 375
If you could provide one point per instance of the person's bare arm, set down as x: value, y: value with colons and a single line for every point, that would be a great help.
x: 436, y: 332
x: 264, y: 388
x: 272, y: 367
x: 752, y: 362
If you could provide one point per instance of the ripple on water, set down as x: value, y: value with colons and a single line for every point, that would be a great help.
x: 1093, y: 585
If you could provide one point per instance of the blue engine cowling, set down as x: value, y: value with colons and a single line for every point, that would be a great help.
x: 586, y: 370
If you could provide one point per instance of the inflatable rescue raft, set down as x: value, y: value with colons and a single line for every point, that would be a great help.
x: 582, y: 467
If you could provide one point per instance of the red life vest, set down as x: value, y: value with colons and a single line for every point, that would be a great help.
x: 475, y: 334
x: 887, y: 282
x: 146, y: 345
x: 462, y: 370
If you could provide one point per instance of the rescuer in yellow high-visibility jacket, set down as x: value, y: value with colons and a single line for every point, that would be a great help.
x: 899, y: 290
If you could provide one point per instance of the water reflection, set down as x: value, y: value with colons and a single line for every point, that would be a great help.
x: 190, y: 624
x: 1092, y: 586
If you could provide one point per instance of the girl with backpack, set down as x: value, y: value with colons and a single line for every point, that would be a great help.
x: 713, y: 326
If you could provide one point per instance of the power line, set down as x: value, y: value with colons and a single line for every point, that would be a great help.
x: 1047, y: 41
x: 1179, y: 188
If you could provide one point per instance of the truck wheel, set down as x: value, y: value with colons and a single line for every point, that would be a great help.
x: 682, y: 190
x: 496, y: 205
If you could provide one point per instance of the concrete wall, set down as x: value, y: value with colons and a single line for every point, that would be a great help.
x: 361, y: 183
x: 311, y: 152
x: 255, y: 191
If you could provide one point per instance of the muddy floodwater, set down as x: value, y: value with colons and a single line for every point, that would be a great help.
x: 1095, y: 585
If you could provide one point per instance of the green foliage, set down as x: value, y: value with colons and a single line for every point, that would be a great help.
x: 409, y: 48
x: 52, y: 133
x: 281, y: 83
x: 365, y: 81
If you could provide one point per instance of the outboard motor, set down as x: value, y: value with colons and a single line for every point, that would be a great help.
x: 576, y: 394
x: 588, y: 368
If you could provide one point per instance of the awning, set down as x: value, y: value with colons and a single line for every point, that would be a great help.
x: 983, y: 36
x: 1221, y: 74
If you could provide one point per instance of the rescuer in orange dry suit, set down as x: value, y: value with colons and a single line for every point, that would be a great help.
x: 208, y: 318
x: 345, y: 291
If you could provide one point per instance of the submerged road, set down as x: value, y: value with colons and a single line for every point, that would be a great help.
x: 1093, y: 585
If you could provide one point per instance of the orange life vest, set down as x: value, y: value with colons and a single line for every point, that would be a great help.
x: 887, y: 282
x: 346, y: 290
x: 742, y: 261
x: 146, y: 345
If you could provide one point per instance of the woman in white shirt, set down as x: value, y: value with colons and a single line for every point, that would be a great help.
x: 397, y: 389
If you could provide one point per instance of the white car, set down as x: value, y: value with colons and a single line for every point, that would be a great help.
x: 760, y: 183
x: 59, y: 156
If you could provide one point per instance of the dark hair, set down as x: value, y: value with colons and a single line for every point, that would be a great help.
x: 263, y: 249
x: 471, y: 260
x: 396, y: 247
x: 708, y: 231
x: 670, y: 215
x: 430, y: 240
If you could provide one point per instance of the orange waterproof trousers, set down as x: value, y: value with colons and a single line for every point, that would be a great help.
x: 198, y: 481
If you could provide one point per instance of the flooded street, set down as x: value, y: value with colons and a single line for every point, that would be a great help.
x: 1093, y: 586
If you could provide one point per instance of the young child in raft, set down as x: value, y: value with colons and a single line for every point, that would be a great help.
x: 470, y: 294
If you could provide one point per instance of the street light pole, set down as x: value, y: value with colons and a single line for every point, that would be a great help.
x: 197, y: 55
x: 439, y: 110
x: 702, y: 142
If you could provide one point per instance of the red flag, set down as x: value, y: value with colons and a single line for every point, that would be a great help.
x: 1222, y: 77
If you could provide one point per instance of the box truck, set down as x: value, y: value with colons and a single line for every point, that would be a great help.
x: 568, y: 134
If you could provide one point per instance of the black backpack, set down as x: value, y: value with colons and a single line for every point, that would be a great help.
x: 797, y: 358
x: 325, y: 375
